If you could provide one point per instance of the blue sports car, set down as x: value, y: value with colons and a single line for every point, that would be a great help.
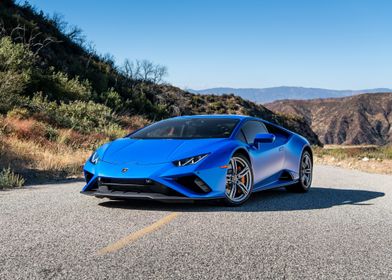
x: 225, y: 157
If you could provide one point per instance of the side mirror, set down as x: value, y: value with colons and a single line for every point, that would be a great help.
x: 264, y: 138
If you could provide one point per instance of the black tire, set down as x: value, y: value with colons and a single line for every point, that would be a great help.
x: 305, y: 174
x: 232, y: 179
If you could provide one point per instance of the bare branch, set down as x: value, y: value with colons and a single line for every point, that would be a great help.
x: 144, y: 70
x: 29, y: 38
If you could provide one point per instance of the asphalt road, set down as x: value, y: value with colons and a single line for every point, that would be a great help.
x: 341, y: 229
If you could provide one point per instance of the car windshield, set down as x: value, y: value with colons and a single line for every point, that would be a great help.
x: 188, y: 128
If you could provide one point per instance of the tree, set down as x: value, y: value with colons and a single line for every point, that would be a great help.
x: 144, y: 71
x: 72, y: 32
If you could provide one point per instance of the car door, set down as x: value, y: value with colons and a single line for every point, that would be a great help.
x: 267, y: 157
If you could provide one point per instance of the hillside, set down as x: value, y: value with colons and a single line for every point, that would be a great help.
x: 264, y: 95
x: 59, y: 98
x: 360, y: 119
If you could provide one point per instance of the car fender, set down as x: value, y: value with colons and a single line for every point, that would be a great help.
x: 220, y: 156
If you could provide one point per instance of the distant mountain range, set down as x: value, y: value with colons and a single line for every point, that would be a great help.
x: 359, y: 119
x: 264, y: 95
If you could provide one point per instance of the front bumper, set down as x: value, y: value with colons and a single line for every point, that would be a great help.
x: 140, y: 196
x: 162, y: 182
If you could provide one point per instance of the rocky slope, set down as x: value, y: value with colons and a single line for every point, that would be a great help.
x: 179, y: 102
x: 360, y: 119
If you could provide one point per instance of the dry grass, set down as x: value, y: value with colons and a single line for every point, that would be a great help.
x: 39, y: 162
x: 40, y: 152
x: 49, y: 157
x: 133, y: 122
x: 356, y: 151
x: 365, y: 158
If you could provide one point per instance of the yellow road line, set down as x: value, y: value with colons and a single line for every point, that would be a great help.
x: 138, y: 234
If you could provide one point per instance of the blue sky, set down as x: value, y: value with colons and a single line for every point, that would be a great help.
x: 338, y: 44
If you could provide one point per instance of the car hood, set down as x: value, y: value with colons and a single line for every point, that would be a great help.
x: 155, y: 151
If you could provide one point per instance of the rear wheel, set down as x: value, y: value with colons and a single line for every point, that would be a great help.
x: 305, y: 174
x: 239, y: 180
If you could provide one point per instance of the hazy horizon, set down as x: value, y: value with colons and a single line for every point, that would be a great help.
x: 290, y: 86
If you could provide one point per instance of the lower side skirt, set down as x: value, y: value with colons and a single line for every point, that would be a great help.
x: 274, y: 185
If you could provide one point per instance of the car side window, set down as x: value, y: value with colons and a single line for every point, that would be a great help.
x: 251, y: 129
x: 240, y: 136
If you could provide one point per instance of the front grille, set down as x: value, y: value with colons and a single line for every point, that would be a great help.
x: 136, y: 185
x: 125, y: 182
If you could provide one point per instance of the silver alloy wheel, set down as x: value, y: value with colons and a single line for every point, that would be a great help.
x: 306, y: 171
x: 238, y: 179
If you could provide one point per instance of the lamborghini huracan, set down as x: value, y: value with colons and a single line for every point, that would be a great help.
x: 224, y: 157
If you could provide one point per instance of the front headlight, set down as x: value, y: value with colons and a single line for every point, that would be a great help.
x: 94, y: 159
x: 190, y: 160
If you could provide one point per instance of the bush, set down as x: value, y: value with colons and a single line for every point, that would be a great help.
x: 67, y: 89
x: 15, y: 73
x: 112, y: 99
x: 113, y: 131
x: 18, y: 113
x: 9, y: 180
x: 14, y: 57
x: 3, y: 127
x: 40, y: 105
x: 85, y: 116
x: 51, y: 133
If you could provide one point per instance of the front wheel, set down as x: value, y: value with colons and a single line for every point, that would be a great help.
x: 305, y: 174
x: 239, y: 180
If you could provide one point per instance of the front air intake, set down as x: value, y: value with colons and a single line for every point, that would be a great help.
x: 88, y: 176
x: 194, y: 183
x: 135, y: 185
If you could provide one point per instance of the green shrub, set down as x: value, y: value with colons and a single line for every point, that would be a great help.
x: 16, y: 61
x: 113, y: 131
x: 112, y: 99
x: 41, y: 105
x: 51, y: 133
x: 81, y: 116
x: 3, y: 127
x: 60, y: 86
x: 9, y: 180
x: 84, y: 116
x: 14, y: 57
x: 18, y: 113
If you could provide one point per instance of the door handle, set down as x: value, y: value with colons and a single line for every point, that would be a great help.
x: 281, y: 149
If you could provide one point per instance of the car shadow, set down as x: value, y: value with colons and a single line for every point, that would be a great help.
x: 271, y: 200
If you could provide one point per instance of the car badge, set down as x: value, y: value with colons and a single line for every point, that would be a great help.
x: 124, y: 170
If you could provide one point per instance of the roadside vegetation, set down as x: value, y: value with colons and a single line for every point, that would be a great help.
x: 364, y: 153
x: 9, y: 180
x: 368, y: 158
